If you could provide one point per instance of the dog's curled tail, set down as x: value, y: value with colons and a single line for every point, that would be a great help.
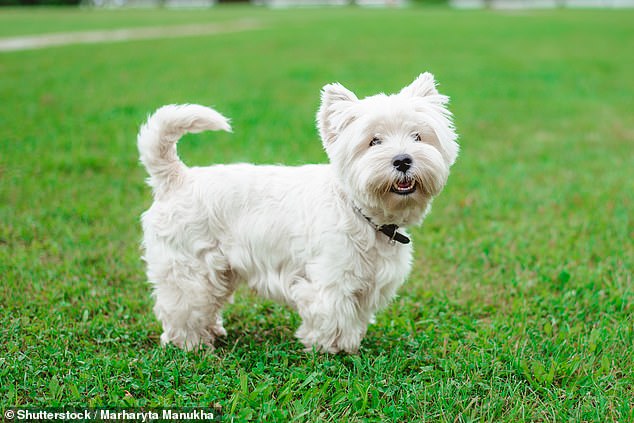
x: 158, y: 137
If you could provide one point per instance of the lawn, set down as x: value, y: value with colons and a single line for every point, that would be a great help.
x: 520, y: 305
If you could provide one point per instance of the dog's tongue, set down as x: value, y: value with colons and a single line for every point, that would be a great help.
x: 403, y: 184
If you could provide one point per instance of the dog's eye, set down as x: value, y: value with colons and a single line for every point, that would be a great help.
x: 417, y: 137
x: 375, y: 141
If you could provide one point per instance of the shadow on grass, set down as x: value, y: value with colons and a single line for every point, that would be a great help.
x: 259, y: 328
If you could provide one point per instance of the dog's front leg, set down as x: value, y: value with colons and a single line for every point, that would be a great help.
x: 332, y: 323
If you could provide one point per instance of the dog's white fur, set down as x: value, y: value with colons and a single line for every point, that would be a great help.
x: 294, y: 234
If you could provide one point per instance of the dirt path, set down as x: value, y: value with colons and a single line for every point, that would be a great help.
x: 117, y: 35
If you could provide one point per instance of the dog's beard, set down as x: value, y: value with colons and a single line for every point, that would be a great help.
x: 398, y: 191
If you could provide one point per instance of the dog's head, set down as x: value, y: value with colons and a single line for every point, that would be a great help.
x: 391, y: 153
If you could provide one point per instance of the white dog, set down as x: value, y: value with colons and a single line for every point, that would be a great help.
x: 325, y: 239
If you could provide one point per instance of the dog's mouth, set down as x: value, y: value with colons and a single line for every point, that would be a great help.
x: 404, y: 187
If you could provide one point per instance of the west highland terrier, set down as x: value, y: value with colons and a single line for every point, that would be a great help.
x: 327, y: 239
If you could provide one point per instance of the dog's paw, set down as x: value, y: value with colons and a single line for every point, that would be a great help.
x: 189, y: 343
x: 218, y: 330
x: 325, y: 343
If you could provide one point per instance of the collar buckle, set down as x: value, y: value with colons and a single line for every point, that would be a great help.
x: 391, y: 231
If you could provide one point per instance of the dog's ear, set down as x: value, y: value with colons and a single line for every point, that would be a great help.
x: 424, y: 86
x: 334, y: 113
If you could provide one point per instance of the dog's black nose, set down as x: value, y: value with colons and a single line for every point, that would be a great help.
x: 402, y: 162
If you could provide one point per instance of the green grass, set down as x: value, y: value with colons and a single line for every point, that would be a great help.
x: 520, y: 305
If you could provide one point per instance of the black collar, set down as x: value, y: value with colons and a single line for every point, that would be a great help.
x: 389, y: 230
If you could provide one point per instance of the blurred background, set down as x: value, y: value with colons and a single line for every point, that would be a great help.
x: 501, y: 4
x: 520, y: 303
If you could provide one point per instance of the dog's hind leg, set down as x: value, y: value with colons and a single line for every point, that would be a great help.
x: 189, y: 297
